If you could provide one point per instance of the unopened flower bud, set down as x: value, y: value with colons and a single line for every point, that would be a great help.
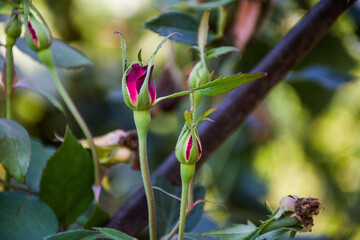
x: 38, y: 35
x: 199, y: 75
x: 13, y: 27
x: 132, y: 84
x: 188, y: 149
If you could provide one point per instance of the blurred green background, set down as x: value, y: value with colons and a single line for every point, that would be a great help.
x: 304, y: 139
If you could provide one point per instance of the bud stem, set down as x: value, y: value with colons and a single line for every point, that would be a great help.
x: 187, y: 172
x: 142, y: 121
x: 46, y: 58
x: 9, y: 70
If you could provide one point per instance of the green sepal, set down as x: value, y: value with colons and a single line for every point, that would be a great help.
x: 199, y: 75
x: 13, y: 28
x: 124, y: 89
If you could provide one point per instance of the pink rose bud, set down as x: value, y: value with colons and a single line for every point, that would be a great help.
x: 37, y: 34
x: 188, y: 150
x: 133, y: 82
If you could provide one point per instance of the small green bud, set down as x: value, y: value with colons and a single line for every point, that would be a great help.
x: 188, y: 149
x: 13, y: 26
x: 199, y: 75
x: 38, y: 35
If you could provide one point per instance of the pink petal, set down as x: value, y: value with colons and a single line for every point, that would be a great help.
x: 188, y: 149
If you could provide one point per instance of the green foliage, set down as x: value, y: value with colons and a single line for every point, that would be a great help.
x: 67, y: 180
x: 15, y: 148
x: 64, y: 55
x: 224, y: 84
x: 237, y: 231
x: 114, y: 234
x: 97, y: 217
x: 216, y: 52
x: 39, y: 157
x: 180, y: 22
x: 75, y: 235
x: 23, y: 216
x: 51, y: 99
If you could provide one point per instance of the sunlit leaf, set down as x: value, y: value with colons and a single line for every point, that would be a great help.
x: 64, y: 55
x: 203, y: 30
x: 216, y: 52
x: 66, y: 183
x: 109, y: 149
x: 224, y: 84
x: 15, y: 153
x: 24, y: 216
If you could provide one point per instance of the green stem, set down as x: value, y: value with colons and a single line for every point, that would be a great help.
x: 187, y: 173
x: 195, y: 102
x: 142, y: 121
x: 46, y: 58
x: 9, y: 66
x: 176, y: 227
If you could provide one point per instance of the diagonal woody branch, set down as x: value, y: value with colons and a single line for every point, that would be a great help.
x: 132, y: 216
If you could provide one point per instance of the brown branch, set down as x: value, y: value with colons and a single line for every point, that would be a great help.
x: 132, y: 216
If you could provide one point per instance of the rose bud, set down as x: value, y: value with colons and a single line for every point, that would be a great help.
x: 188, y: 149
x: 199, y: 75
x: 13, y: 28
x: 38, y: 35
x: 135, y: 96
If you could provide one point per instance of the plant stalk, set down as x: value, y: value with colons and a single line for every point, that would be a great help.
x: 142, y: 122
x: 184, y: 198
x: 9, y: 67
x: 46, y: 58
x: 187, y: 172
x: 9, y: 70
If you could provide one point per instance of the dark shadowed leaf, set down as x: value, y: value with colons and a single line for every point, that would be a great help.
x: 15, y: 153
x: 114, y: 234
x: 66, y: 183
x: 168, y: 214
x: 224, y: 84
x: 51, y: 99
x: 39, y: 157
x: 74, y: 235
x: 180, y: 22
x: 274, y: 235
x: 23, y: 216
x: 64, y: 55
x: 97, y: 217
